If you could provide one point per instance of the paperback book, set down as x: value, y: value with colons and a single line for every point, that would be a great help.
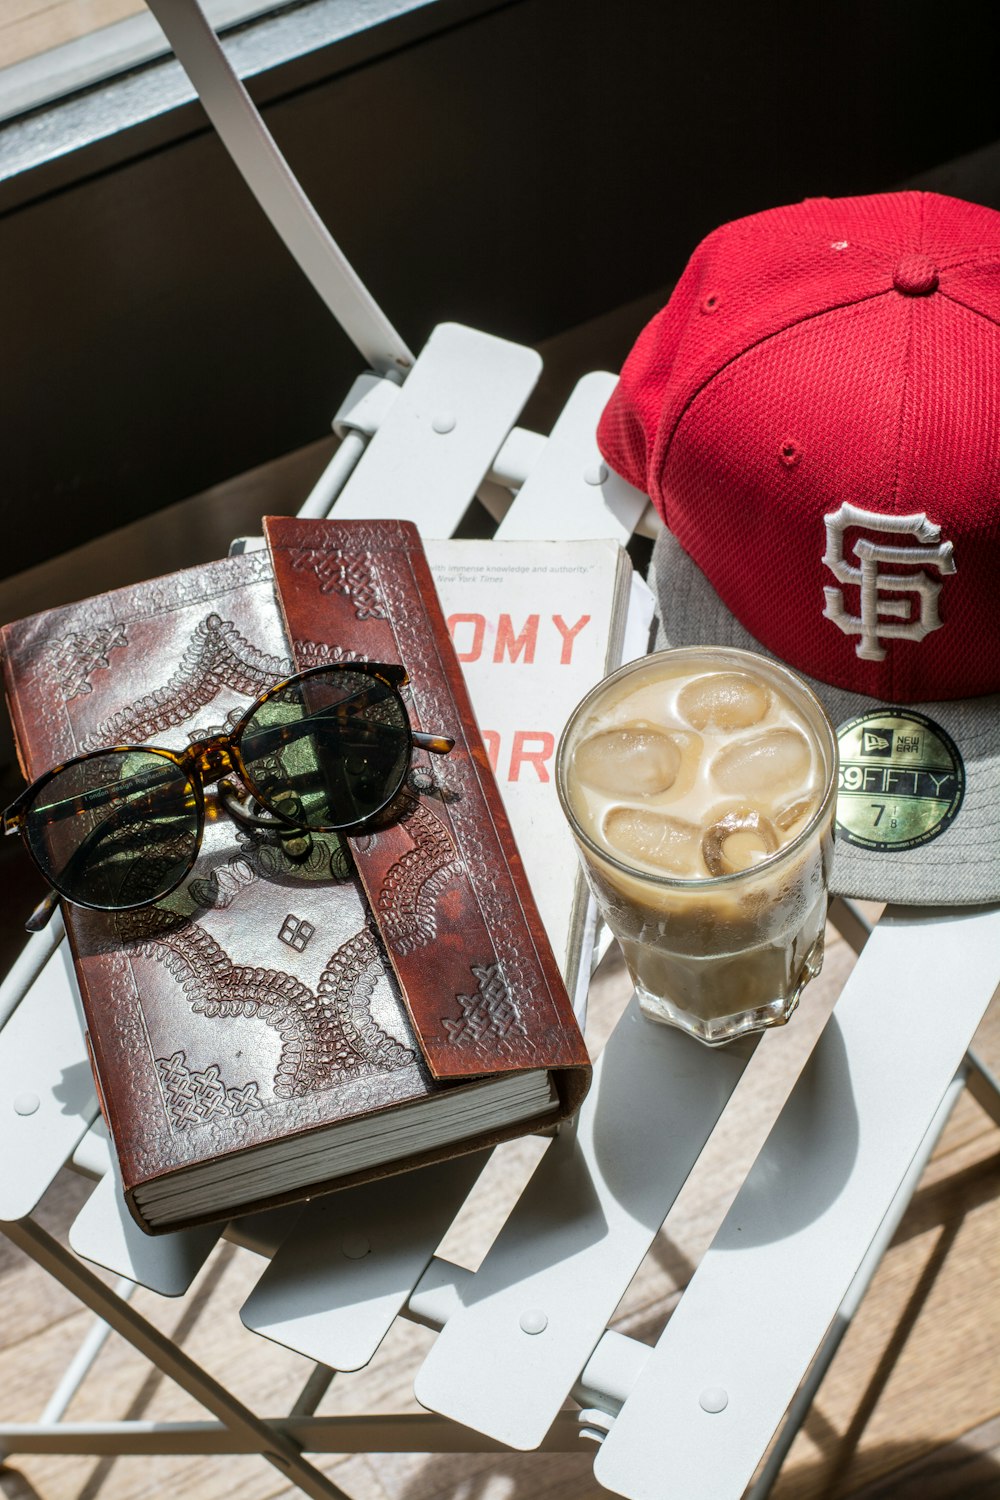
x: 535, y: 624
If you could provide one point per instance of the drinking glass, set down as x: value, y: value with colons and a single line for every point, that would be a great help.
x: 700, y: 785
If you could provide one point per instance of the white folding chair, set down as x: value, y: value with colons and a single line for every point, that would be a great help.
x: 523, y: 1357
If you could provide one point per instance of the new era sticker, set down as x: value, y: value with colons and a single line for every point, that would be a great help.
x: 876, y: 742
x: 901, y: 780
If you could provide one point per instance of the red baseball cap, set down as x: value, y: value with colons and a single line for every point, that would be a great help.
x: 815, y: 415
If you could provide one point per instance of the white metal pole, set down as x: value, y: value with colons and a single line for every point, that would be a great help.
x: 76, y: 1370
x: 319, y: 502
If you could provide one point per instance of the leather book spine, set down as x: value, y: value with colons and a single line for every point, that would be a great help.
x: 443, y: 878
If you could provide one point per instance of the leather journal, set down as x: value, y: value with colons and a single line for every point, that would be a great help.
x: 278, y: 1027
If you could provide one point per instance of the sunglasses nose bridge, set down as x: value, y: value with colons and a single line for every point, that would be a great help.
x: 212, y: 759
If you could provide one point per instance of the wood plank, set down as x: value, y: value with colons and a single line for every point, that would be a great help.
x: 969, y: 1467
x: 918, y: 1367
x: 29, y: 27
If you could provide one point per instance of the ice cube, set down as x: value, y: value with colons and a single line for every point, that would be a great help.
x: 795, y: 813
x: 724, y: 701
x: 633, y: 761
x: 775, y: 762
x: 740, y: 838
x: 646, y: 837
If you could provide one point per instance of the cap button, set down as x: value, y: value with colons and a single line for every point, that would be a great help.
x: 915, y: 276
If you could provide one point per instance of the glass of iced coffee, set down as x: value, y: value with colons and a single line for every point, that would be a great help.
x: 700, y: 786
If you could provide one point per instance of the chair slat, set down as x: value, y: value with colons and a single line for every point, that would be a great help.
x: 333, y: 1289
x: 105, y: 1232
x: 570, y: 493
x: 758, y: 1306
x: 47, y: 1098
x: 505, y: 1362
x: 440, y: 435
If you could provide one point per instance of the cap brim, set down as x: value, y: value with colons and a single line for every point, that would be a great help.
x: 959, y: 867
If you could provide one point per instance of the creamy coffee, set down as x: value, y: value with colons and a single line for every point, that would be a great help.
x: 699, y: 784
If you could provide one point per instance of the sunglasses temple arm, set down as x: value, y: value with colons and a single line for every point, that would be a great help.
x: 437, y: 744
x: 43, y: 911
x: 98, y: 796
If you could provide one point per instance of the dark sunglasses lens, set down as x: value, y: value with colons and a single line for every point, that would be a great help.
x: 329, y: 750
x: 116, y: 829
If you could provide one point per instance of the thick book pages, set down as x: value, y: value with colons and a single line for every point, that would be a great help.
x: 267, y: 1032
x: 535, y: 624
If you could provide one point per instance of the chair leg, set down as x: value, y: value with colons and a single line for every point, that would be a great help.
x: 262, y: 1438
x: 984, y: 1086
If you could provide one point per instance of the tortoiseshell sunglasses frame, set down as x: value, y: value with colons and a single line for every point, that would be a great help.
x: 205, y: 762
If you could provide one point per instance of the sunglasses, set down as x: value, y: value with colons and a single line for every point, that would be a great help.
x: 325, y: 751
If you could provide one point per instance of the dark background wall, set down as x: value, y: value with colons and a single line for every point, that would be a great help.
x: 522, y: 168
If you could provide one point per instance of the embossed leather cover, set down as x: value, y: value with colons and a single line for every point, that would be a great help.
x: 260, y: 1002
x: 445, y: 881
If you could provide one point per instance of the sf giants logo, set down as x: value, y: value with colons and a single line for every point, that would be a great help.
x: 874, y: 623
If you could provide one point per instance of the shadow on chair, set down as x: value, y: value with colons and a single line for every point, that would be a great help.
x: 822, y: 1106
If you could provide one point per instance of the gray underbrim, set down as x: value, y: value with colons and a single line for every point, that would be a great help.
x: 961, y: 866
